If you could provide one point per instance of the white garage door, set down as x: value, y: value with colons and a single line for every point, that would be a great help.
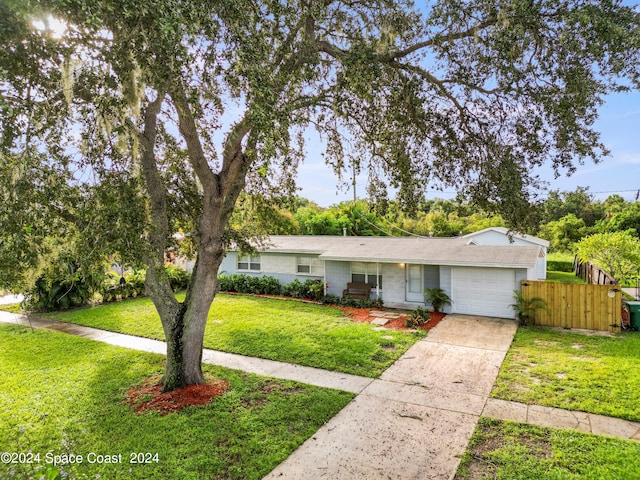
x: 483, y: 291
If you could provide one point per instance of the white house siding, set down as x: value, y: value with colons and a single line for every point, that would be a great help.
x: 338, y: 275
x: 282, y: 267
x: 273, y: 264
x: 229, y: 263
x: 445, y: 284
x: 392, y: 283
x: 491, y: 237
x: 541, y: 266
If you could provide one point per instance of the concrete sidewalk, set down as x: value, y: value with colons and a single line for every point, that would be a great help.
x: 413, y: 422
x: 416, y: 420
x: 260, y: 366
x: 562, y: 419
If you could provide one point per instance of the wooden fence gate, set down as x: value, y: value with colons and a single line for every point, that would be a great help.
x: 572, y: 305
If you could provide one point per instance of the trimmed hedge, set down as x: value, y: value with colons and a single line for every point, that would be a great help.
x: 310, y: 289
x: 241, y: 283
x: 559, y: 266
x: 351, y: 302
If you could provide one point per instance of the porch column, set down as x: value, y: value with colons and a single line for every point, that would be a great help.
x: 377, y: 280
x: 324, y: 277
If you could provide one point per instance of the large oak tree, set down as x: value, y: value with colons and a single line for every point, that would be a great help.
x: 145, y: 116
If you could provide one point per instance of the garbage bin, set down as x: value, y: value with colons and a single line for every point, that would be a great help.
x: 634, y: 310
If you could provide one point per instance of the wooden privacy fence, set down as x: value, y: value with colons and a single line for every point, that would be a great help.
x: 572, y: 305
x: 592, y: 274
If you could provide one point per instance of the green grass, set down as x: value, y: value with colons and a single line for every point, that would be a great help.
x: 65, y: 394
x: 284, y: 330
x: 511, y: 451
x: 564, y: 277
x: 560, y: 257
x: 596, y: 374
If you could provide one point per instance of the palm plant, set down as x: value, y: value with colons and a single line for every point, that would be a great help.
x: 526, y: 308
x: 437, y: 297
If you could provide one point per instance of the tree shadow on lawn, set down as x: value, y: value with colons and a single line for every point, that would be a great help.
x: 242, y: 434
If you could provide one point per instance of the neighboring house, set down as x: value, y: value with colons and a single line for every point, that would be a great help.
x: 502, y: 236
x: 480, y: 279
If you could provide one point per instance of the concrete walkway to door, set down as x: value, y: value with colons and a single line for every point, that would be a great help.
x: 416, y: 420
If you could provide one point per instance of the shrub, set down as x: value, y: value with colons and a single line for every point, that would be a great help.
x: 64, y: 284
x: 351, y: 302
x: 57, y: 294
x: 559, y: 266
x: 526, y: 308
x: 269, y: 286
x: 315, y: 288
x: 242, y: 283
x: 116, y: 287
x: 418, y: 318
x: 178, y: 277
x: 312, y: 289
x: 294, y: 289
x: 437, y: 297
x: 225, y: 282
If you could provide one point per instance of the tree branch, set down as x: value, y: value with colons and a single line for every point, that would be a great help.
x: 189, y: 131
x: 156, y: 283
x: 439, y: 39
x: 153, y: 180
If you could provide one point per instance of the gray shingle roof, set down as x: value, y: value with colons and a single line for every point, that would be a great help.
x: 418, y: 250
x: 506, y: 231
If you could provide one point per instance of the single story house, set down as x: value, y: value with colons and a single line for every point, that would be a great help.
x: 502, y: 236
x: 479, y: 279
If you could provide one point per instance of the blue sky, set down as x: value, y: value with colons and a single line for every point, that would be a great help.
x: 619, y: 125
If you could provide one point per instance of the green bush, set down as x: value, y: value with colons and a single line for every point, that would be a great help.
x: 225, y: 282
x: 418, y: 318
x: 351, y: 302
x: 312, y: 289
x: 55, y: 294
x: 178, y: 277
x: 316, y: 289
x: 559, y: 266
x: 73, y: 289
x: 294, y: 289
x: 64, y: 284
x: 116, y: 287
x: 242, y: 283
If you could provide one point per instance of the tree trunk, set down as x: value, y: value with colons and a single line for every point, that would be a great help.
x: 184, y: 327
x: 184, y: 323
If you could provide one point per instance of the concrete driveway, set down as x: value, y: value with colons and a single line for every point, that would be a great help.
x: 416, y: 420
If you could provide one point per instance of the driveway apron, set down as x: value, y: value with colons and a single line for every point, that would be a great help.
x: 416, y: 420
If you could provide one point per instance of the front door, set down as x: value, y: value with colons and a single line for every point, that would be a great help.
x: 414, y: 284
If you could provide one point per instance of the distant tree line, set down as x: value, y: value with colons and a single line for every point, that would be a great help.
x: 563, y: 218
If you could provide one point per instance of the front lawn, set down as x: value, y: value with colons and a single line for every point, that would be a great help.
x: 284, y: 330
x: 512, y: 451
x: 65, y: 395
x: 596, y: 374
x: 563, y: 277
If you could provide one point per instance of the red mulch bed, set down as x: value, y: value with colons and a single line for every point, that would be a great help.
x: 363, y: 315
x: 148, y: 395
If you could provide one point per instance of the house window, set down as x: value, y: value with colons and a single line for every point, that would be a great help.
x: 366, y: 273
x: 304, y: 265
x: 249, y: 263
x: 309, y: 265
